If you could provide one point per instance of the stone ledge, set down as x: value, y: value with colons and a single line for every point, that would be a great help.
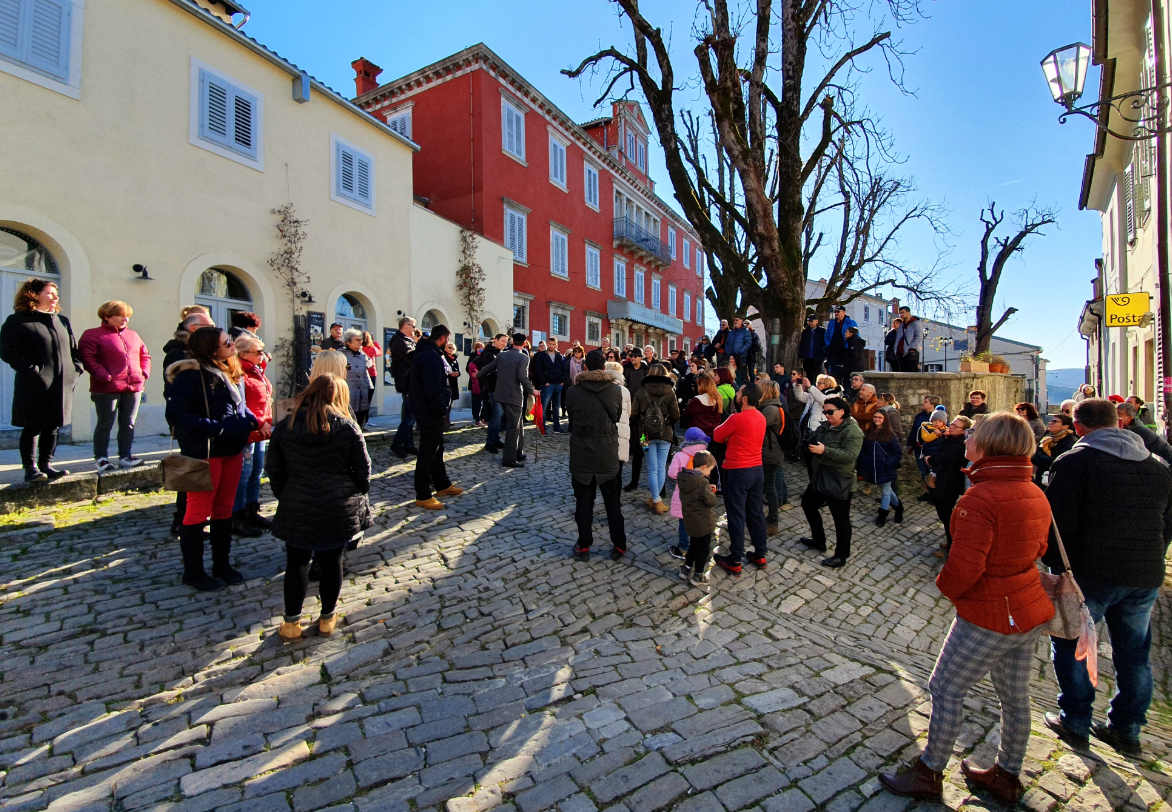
x: 79, y: 487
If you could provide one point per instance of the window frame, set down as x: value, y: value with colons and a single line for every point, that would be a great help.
x: 656, y: 293
x: 687, y: 309
x: 402, y: 114
x: 589, y: 170
x: 620, y: 293
x: 594, y: 321
x: 554, y: 233
x: 337, y: 146
x: 672, y: 293
x: 639, y: 280
x: 524, y: 305
x: 595, y: 253
x: 524, y: 256
x: 699, y: 261
x: 671, y: 241
x: 555, y: 145
x: 506, y: 105
x: 687, y: 252
x: 195, y: 117
x: 556, y: 310
x: 700, y: 310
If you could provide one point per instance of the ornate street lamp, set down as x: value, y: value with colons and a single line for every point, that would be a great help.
x: 1065, y: 70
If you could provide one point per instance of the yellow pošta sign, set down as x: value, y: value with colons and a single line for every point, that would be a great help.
x: 1127, y: 309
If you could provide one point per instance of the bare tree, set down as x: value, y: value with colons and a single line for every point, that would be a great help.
x: 999, y: 250
x: 759, y: 210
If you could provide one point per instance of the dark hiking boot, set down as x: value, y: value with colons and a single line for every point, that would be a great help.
x: 1000, y: 783
x: 191, y: 547
x: 813, y: 545
x: 240, y: 525
x: 1114, y: 739
x: 254, y: 517
x: 916, y: 781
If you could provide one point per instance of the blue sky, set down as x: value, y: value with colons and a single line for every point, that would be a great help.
x: 979, y: 127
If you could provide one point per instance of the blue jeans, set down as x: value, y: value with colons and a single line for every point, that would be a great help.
x: 683, y: 543
x: 403, y: 439
x: 552, y: 392
x: 744, y: 494
x: 1129, y: 622
x: 780, y: 486
x: 656, y: 454
x: 887, y: 495
x: 495, y: 415
x: 248, y: 491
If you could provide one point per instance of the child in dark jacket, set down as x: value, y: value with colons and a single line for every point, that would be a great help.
x: 879, y: 465
x: 697, y: 499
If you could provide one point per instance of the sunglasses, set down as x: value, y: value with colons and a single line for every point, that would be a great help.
x: 830, y: 411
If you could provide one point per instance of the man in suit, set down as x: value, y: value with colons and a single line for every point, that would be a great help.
x: 512, y: 388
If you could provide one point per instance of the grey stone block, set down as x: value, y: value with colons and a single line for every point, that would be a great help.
x: 394, y: 765
x: 661, y: 714
x: 314, y: 797
x: 775, y: 700
x: 792, y: 800
x: 704, y: 802
x: 237, y: 771
x: 658, y: 794
x: 824, y: 785
x: 449, y: 770
x: 717, y: 740
x: 305, y: 773
x: 440, y: 729
x: 749, y: 789
x: 395, y: 720
x: 456, y: 746
x: 725, y: 767
x: 626, y: 779
x: 447, y: 707
x: 545, y: 795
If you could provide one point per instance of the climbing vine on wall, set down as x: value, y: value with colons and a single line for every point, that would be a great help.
x: 470, y: 280
x: 291, y: 352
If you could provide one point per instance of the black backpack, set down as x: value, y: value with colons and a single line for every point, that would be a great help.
x: 790, y: 436
x: 653, y: 420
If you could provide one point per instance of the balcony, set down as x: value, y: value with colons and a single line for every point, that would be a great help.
x: 630, y: 311
x: 641, y: 242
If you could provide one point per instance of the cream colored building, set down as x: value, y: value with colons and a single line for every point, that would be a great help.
x: 154, y: 133
x: 1120, y: 182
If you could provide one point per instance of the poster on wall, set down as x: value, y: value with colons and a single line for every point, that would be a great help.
x: 317, y: 330
x: 388, y: 334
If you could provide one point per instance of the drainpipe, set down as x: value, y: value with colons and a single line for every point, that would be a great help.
x: 1162, y: 225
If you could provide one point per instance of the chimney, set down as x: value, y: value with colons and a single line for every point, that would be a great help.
x: 365, y: 75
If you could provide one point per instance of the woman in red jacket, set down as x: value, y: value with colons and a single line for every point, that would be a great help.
x: 118, y: 364
x: 258, y: 397
x: 999, y: 531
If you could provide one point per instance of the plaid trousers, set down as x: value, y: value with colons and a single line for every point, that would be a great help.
x: 968, y: 654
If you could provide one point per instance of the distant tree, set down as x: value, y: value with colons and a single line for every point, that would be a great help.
x: 998, y: 251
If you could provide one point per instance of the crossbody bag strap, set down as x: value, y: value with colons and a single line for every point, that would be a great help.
x: 1065, y: 559
x: 207, y: 409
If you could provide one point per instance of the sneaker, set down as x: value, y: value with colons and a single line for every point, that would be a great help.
x: 105, y: 466
x: 685, y: 572
x: 582, y: 553
x: 676, y: 552
x: 727, y: 564
x: 759, y: 563
x: 1112, y: 738
x: 130, y: 462
x: 700, y: 579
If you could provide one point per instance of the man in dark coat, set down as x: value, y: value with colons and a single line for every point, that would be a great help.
x: 512, y: 389
x: 812, y: 348
x: 550, y: 375
x: 430, y: 395
x: 595, y: 404
x: 1153, y: 442
x: 1112, y: 503
x: 402, y: 347
x: 334, y: 340
x: 175, y: 350
x: 492, y: 443
x: 633, y: 375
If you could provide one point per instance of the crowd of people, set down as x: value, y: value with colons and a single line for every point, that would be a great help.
x: 1008, y: 487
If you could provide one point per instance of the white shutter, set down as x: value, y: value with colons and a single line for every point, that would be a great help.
x: 362, y: 182
x: 214, y: 119
x: 10, y: 28
x: 557, y: 161
x: 345, y: 171
x: 244, y: 112
x: 620, y: 279
x: 515, y: 233
x: 401, y: 123
x: 671, y: 242
x: 227, y: 114
x: 354, y: 174
x: 699, y: 262
x: 557, y: 253
x: 514, y: 130
x: 593, y: 267
x: 687, y: 306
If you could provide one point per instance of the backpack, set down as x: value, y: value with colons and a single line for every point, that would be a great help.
x: 653, y: 419
x: 790, y: 436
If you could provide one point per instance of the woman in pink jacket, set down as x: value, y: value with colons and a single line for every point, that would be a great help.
x: 118, y: 364
x: 694, y: 440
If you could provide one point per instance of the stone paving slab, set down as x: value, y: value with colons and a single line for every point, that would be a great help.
x: 478, y: 667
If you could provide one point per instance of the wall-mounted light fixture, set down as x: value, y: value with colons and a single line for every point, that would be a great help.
x: 141, y: 269
x: 307, y: 297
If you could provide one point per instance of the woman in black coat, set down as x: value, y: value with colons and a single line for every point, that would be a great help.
x: 211, y: 421
x: 320, y: 473
x: 948, y: 463
x: 37, y: 342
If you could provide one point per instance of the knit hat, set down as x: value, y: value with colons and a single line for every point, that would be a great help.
x: 939, y: 414
x: 1115, y: 398
x: 695, y: 435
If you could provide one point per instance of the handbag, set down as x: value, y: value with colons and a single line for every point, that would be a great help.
x: 832, y: 484
x: 189, y: 474
x: 1072, y: 618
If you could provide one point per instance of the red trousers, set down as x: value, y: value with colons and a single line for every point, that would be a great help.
x: 216, y: 503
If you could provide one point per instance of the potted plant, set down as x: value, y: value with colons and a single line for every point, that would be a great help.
x: 997, y: 364
x: 973, y: 362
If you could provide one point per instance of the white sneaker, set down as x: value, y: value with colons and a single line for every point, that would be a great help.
x: 129, y: 462
x: 105, y: 466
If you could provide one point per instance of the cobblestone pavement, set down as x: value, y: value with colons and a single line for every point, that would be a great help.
x: 479, y: 667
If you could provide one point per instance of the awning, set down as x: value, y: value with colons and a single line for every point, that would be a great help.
x: 630, y: 311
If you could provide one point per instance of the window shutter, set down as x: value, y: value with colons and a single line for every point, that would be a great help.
x: 243, y: 122
x: 362, y: 167
x: 213, y: 120
x: 514, y: 130
x: 401, y: 124
x: 10, y: 27
x: 1129, y: 200
x: 345, y: 172
x: 48, y: 47
x: 687, y: 254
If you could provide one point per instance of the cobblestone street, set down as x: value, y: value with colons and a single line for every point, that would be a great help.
x: 477, y: 667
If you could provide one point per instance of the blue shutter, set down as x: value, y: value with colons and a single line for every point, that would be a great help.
x: 227, y: 115
x: 243, y: 122
x: 48, y: 47
x: 362, y: 180
x: 345, y: 172
x: 10, y: 28
x: 213, y: 108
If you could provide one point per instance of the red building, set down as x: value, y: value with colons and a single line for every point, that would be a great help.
x: 596, y: 252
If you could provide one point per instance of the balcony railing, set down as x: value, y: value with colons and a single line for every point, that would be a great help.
x: 640, y: 240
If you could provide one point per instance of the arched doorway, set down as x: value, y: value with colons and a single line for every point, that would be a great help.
x: 487, y: 331
x: 350, y: 312
x: 430, y: 319
x: 21, y: 258
x: 222, y: 293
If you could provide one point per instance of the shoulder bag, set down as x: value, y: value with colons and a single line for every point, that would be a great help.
x: 1072, y: 619
x: 189, y: 474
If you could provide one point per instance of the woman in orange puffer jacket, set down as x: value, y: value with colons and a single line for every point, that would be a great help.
x: 1000, y: 529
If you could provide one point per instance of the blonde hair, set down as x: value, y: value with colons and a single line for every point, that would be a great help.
x: 658, y: 369
x: 114, y: 308
x: 324, y: 396
x: 613, y: 366
x: 328, y: 362
x: 769, y: 389
x: 1004, y: 434
x: 247, y: 341
x: 826, y: 379
x: 187, y: 311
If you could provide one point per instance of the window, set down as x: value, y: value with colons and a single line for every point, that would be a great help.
x: 620, y: 278
x: 700, y: 310
x: 223, y: 293
x: 593, y: 268
x: 639, y: 294
x: 671, y: 345
x: 699, y: 261
x: 671, y: 242
x: 593, y: 330
x: 559, y: 324
x: 35, y: 33
x: 632, y: 141
x: 1129, y: 200
x: 401, y: 123
x: 519, y: 315
x: 591, y: 186
x: 557, y: 162
x: 655, y: 293
x: 642, y: 160
x: 687, y: 254
x: 353, y: 176
x: 688, y: 347
x: 671, y: 299
x: 866, y: 312
x: 515, y: 234
x: 687, y: 305
x: 513, y: 130
x: 226, y: 116
x: 559, y: 253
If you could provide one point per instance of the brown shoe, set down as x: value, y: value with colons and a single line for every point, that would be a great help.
x: 1002, y: 785
x: 451, y: 490
x: 290, y: 631
x: 650, y: 503
x: 325, y: 625
x: 916, y: 781
x: 771, y: 529
x: 430, y: 504
x: 660, y: 507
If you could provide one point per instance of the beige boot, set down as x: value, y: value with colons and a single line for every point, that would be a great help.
x: 325, y: 625
x: 290, y: 631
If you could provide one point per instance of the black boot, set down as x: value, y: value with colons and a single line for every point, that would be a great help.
x: 899, y: 513
x: 241, y: 526
x: 254, y: 517
x: 49, y: 471
x: 191, y: 546
x: 882, y: 519
x: 222, y: 552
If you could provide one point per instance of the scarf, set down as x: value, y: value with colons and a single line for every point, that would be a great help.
x: 234, y: 389
x: 1049, y: 441
x: 901, y: 347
